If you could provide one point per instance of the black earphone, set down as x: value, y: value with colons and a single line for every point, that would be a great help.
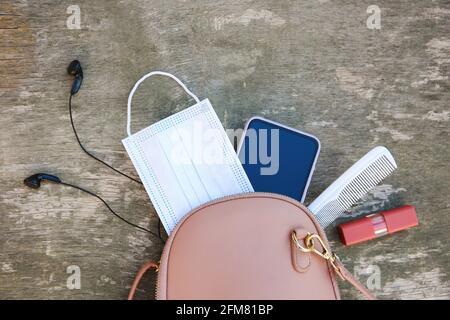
x: 75, y: 69
x: 35, y: 180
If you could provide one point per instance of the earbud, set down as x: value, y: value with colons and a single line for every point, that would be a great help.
x: 34, y: 181
x: 74, y: 69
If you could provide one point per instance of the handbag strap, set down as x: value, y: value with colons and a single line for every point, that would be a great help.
x: 148, y: 265
x: 338, y: 267
x: 142, y: 79
x: 347, y: 275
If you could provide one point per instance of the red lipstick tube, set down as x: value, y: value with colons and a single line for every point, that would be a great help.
x: 378, y: 224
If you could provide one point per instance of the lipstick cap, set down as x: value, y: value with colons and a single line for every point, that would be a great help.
x: 400, y: 218
x: 378, y: 224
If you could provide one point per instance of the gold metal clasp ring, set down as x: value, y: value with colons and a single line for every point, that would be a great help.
x: 309, y: 247
x: 297, y: 243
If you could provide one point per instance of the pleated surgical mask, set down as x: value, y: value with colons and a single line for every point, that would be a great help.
x: 184, y: 160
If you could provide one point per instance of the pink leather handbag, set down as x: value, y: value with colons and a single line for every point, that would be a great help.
x: 248, y: 246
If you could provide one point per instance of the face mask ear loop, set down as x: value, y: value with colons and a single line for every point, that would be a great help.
x: 138, y: 83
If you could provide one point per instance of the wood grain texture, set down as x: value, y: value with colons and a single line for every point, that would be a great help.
x: 313, y: 65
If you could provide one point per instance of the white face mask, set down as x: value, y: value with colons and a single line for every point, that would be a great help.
x: 184, y: 160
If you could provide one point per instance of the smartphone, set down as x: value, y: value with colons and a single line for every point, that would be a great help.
x: 277, y: 158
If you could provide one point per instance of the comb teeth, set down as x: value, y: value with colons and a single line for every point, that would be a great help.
x: 329, y: 213
x: 352, y: 185
x: 365, y: 181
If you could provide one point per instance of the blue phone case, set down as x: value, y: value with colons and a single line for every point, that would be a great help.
x: 291, y: 172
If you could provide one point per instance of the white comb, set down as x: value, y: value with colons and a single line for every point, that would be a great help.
x: 359, y: 179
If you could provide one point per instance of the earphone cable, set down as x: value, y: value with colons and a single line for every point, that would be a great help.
x: 110, y: 209
x: 90, y: 154
x: 101, y: 161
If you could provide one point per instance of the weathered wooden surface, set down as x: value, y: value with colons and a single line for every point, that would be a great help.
x: 313, y: 65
